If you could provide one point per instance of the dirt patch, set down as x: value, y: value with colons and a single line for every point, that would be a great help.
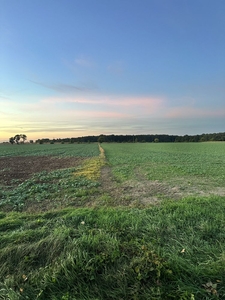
x: 137, y: 191
x: 144, y: 192
x: 20, y: 168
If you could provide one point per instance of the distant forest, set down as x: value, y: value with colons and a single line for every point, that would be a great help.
x: 143, y: 138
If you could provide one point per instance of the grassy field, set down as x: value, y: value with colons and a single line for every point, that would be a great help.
x: 190, y: 162
x: 92, y: 230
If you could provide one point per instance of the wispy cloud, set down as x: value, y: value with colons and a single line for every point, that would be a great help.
x: 84, y: 62
x: 3, y: 97
x: 64, y: 88
x: 2, y: 113
x: 189, y: 112
x: 108, y: 106
x: 141, y: 104
x: 116, y: 68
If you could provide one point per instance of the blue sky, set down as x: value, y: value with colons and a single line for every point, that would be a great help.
x: 71, y: 68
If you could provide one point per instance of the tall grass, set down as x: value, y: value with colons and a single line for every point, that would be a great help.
x: 172, y: 251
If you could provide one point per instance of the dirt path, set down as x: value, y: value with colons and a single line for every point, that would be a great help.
x: 132, y: 192
x: 135, y: 192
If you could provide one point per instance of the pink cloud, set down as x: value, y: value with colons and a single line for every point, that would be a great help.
x: 92, y: 110
x: 191, y: 112
x: 49, y: 110
x: 96, y: 114
x: 138, y: 103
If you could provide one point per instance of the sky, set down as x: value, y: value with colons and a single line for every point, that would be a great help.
x: 71, y: 68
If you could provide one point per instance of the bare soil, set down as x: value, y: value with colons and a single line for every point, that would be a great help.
x: 142, y: 191
x: 20, y: 168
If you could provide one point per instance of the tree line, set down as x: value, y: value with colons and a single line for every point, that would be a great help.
x: 143, y: 138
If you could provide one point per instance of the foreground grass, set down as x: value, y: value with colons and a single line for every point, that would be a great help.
x: 171, y: 251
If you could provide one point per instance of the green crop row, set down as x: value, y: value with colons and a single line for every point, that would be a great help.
x: 81, y: 150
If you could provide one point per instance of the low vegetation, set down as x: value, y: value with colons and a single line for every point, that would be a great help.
x: 59, y: 150
x: 188, y: 164
x: 61, y: 239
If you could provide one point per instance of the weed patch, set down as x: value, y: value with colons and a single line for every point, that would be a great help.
x: 48, y: 190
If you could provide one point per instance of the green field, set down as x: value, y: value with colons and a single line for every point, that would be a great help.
x: 139, y: 221
x: 169, y: 161
x: 62, y: 150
